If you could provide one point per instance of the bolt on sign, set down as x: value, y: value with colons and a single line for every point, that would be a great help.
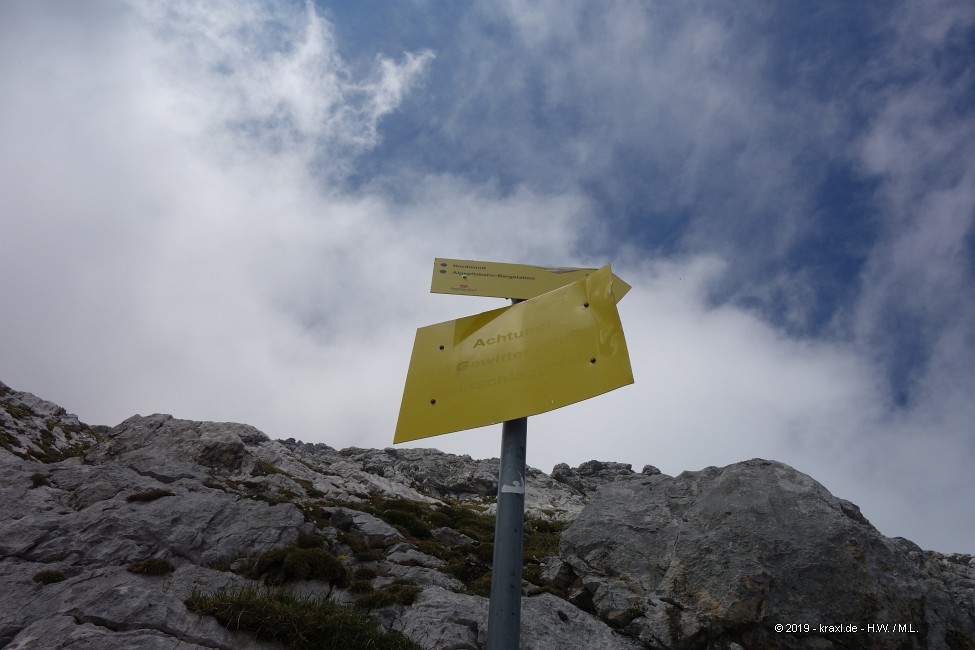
x: 558, y: 348
x: 500, y: 280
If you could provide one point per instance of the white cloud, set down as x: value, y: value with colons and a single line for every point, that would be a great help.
x: 717, y: 386
x: 191, y: 265
x: 919, y: 146
x: 268, y: 76
x: 175, y: 240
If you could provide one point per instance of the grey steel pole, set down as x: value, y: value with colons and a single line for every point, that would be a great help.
x: 504, y: 614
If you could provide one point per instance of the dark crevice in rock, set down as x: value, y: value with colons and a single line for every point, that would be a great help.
x: 8, y: 632
x: 162, y: 478
x: 115, y: 626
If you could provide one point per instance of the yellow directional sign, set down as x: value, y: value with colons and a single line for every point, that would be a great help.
x: 536, y: 356
x: 500, y: 280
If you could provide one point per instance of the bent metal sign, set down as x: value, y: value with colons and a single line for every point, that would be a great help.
x: 501, y: 280
x: 554, y: 349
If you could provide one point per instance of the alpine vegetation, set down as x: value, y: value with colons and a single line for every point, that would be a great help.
x: 169, y: 533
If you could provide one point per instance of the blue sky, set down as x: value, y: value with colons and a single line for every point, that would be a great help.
x: 229, y: 211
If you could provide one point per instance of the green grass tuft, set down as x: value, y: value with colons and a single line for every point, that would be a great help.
x: 17, y: 412
x: 295, y: 563
x: 540, y: 543
x: 299, y: 622
x: 50, y: 576
x: 361, y: 587
x: 264, y: 468
x: 8, y: 441
x: 152, y: 566
x: 407, y: 522
x: 149, y: 495
x: 309, y: 540
x: 365, y: 573
x: 309, y: 487
x: 395, y: 594
x: 471, y: 564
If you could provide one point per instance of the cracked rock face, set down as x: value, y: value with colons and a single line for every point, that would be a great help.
x: 112, y: 608
x: 37, y: 430
x: 443, y: 619
x: 710, y: 559
x: 720, y: 556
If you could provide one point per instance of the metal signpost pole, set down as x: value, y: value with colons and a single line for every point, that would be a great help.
x: 504, y: 613
x: 504, y: 617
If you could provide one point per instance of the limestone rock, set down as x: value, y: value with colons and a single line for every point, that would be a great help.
x: 451, y: 537
x: 372, y: 529
x: 706, y: 560
x: 84, y: 518
x: 720, y: 556
x: 424, y: 473
x: 39, y: 431
x: 407, y: 555
x: 112, y: 608
x: 587, y: 478
x: 169, y: 449
x: 443, y: 619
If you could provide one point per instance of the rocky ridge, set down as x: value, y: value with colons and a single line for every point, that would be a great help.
x: 127, y: 537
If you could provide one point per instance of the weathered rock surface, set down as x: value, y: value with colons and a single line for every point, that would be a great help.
x: 38, y: 430
x: 443, y: 619
x: 710, y: 559
x: 420, y: 474
x: 720, y: 556
x: 83, y: 518
x: 111, y: 608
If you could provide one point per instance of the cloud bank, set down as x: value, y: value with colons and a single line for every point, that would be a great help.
x: 229, y: 211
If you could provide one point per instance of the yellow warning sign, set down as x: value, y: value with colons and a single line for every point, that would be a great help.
x: 536, y: 356
x: 501, y: 280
